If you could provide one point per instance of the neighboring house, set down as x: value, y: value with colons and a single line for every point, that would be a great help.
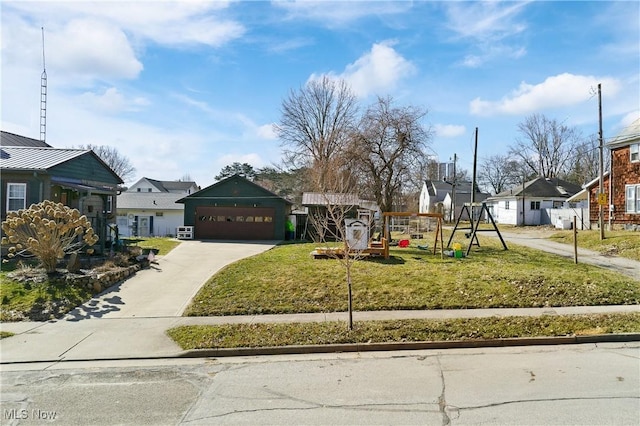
x: 236, y: 209
x: 531, y: 203
x: 146, y: 185
x: 149, y: 208
x: 32, y: 172
x: 440, y: 196
x: 621, y: 185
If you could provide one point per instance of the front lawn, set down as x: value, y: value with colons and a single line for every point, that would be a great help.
x: 287, y: 279
x: 616, y: 243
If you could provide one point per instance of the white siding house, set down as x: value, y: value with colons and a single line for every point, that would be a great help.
x: 149, y: 208
x: 531, y: 204
x: 440, y: 196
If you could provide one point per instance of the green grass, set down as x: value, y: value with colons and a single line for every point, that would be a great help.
x: 163, y: 244
x: 283, y: 334
x: 287, y: 279
x: 4, y: 334
x: 617, y: 243
x: 18, y: 297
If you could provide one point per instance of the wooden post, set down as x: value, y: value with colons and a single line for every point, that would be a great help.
x: 575, y: 241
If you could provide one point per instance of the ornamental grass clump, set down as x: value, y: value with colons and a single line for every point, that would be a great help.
x: 47, y: 231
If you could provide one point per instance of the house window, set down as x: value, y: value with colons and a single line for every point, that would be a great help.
x: 139, y: 189
x: 16, y: 196
x: 632, y: 198
x: 559, y: 204
x: 149, y: 189
x: 159, y: 214
x: 506, y: 205
x: 535, y: 205
x: 634, y: 152
x: 109, y: 203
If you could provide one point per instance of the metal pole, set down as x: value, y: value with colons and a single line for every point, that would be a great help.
x: 473, y: 183
x: 601, y: 171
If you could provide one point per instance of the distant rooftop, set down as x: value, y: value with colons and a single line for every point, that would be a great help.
x: 11, y: 139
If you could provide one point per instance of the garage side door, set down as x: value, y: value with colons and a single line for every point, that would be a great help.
x: 234, y: 223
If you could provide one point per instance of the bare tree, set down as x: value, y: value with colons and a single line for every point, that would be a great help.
x: 585, y: 164
x: 116, y: 161
x: 389, y: 147
x: 316, y: 122
x: 546, y: 145
x: 499, y: 172
x: 337, y: 189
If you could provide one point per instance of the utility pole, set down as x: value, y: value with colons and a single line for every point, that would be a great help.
x: 473, y: 180
x: 453, y: 190
x: 601, y: 171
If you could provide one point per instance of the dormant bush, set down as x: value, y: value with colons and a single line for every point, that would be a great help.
x: 47, y: 231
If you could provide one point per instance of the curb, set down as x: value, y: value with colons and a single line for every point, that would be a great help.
x: 363, y: 347
x: 371, y: 347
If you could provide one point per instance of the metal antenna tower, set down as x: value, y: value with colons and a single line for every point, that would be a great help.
x: 43, y: 96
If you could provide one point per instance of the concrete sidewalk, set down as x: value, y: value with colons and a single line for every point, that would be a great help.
x: 537, y: 241
x: 142, y: 338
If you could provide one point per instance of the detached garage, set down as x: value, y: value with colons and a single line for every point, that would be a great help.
x: 236, y: 209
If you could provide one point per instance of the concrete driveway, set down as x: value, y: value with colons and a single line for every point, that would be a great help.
x: 128, y: 320
x: 166, y: 288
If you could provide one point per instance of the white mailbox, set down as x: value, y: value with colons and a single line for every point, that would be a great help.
x: 357, y: 234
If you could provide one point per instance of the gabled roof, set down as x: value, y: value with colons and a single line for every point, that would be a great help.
x: 333, y: 199
x: 629, y: 135
x: 149, y: 201
x: 440, y: 189
x: 168, y: 185
x: 541, y: 188
x: 11, y: 139
x: 21, y: 158
x: 202, y: 194
x: 36, y: 158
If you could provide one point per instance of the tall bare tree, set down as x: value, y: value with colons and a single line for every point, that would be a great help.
x: 388, y: 148
x: 585, y: 164
x: 546, y: 145
x: 316, y: 122
x: 499, y: 172
x: 116, y: 161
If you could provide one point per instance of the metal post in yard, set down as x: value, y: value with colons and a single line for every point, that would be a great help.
x: 575, y: 240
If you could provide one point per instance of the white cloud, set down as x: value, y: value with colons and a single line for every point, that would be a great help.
x: 266, y: 132
x: 164, y: 22
x: 252, y: 159
x: 338, y: 13
x: 93, y: 49
x: 556, y: 91
x: 449, y: 130
x: 485, y: 21
x: 378, y: 70
x: 111, y: 101
x: 489, y: 24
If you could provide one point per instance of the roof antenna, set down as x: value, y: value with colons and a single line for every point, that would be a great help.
x: 43, y: 96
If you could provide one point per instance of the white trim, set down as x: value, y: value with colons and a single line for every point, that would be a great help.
x: 9, y: 197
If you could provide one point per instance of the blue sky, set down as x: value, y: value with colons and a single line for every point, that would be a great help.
x: 189, y: 87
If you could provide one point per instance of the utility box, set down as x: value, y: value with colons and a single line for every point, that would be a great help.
x: 357, y: 234
x: 563, y: 224
x: 185, y: 232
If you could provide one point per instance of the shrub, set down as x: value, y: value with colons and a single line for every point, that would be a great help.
x: 48, y: 231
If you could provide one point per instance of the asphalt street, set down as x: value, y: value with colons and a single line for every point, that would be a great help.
x: 590, y: 384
